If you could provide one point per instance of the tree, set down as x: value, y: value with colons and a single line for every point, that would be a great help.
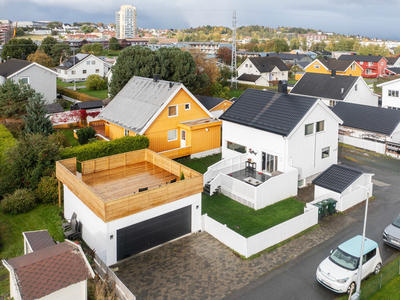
x: 95, y: 83
x: 35, y: 119
x: 225, y: 73
x: 95, y: 48
x: 41, y: 58
x: 14, y: 98
x: 304, y: 44
x: 113, y: 44
x: 47, y: 44
x: 87, y: 29
x: 219, y: 91
x: 281, y: 45
x: 206, y: 66
x: 225, y: 55
x: 19, y: 32
x: 16, y: 47
x: 59, y: 52
x: 397, y: 50
x: 294, y: 44
x: 153, y: 41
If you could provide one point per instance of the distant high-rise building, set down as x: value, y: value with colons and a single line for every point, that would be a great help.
x: 6, y: 31
x: 125, y: 22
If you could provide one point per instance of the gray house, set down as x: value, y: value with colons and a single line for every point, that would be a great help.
x: 41, y: 79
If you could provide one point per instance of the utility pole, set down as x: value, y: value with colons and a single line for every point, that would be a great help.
x: 233, y: 62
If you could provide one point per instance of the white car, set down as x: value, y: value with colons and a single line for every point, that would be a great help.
x: 338, y: 272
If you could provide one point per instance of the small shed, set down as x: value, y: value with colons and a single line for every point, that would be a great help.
x: 345, y: 184
x: 87, y: 105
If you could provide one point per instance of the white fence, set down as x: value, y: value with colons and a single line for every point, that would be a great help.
x: 355, y: 197
x: 263, y: 240
x: 103, y: 270
x: 363, y: 144
x: 225, y: 166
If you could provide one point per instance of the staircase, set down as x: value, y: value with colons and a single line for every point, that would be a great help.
x: 206, y: 189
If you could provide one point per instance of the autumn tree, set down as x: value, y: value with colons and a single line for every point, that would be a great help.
x: 294, y: 44
x: 16, y: 47
x: 225, y: 55
x: 206, y: 65
x: 41, y: 58
x: 47, y: 44
x: 281, y: 45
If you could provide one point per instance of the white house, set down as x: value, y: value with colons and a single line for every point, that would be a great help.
x: 41, y: 79
x: 393, y: 62
x: 80, y: 66
x: 390, y: 94
x: 144, y: 204
x: 262, y: 70
x: 48, y: 271
x: 332, y: 88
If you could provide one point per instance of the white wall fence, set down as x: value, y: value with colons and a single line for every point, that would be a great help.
x: 263, y: 240
x: 261, y: 196
x: 363, y: 144
x: 225, y: 166
x: 103, y: 270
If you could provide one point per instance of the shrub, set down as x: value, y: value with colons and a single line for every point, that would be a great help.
x: 47, y: 190
x: 85, y: 134
x: 21, y: 201
x: 60, y: 139
x: 16, y: 128
x: 96, y: 83
x: 103, y: 148
x: 6, y: 140
x: 75, y: 95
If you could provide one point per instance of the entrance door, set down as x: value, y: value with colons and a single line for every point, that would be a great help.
x: 269, y: 162
x: 263, y: 156
x: 183, y: 138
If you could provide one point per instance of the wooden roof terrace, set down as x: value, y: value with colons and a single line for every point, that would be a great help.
x: 109, y: 186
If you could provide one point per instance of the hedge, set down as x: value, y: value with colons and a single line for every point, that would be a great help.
x: 75, y: 95
x: 104, y: 148
x: 6, y: 140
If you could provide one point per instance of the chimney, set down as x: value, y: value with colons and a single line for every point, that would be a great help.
x: 171, y: 84
x: 342, y: 90
x: 282, y: 86
x: 156, y: 77
x: 333, y: 73
x: 326, y: 57
x: 23, y: 56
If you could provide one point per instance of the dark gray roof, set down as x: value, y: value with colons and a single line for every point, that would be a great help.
x: 88, y: 105
x: 39, y: 239
x: 324, y: 86
x: 55, y: 108
x: 394, y: 70
x: 323, y: 52
x: 369, y: 118
x: 209, y: 102
x: 249, y: 77
x: 303, y: 64
x: 369, y: 58
x: 337, y: 178
x: 134, y: 106
x: 333, y: 63
x: 273, y: 112
x: 290, y: 56
x: 12, y: 65
x: 392, y: 60
x: 70, y: 61
x: 268, y: 63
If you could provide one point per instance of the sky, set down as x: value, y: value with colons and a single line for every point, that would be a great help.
x: 372, y: 18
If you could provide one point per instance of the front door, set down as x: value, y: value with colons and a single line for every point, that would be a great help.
x: 269, y: 162
x: 183, y: 138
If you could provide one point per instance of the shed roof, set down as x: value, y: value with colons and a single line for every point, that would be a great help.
x: 273, y: 112
x: 394, y: 70
x: 249, y: 77
x: 369, y: 118
x: 38, y: 239
x: 55, y: 108
x: 209, y: 102
x: 337, y: 178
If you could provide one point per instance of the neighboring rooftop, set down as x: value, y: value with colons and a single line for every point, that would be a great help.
x: 70, y: 61
x: 392, y: 60
x: 324, y: 86
x: 38, y: 239
x: 12, y: 65
x: 249, y: 77
x: 273, y: 112
x: 50, y: 269
x: 55, y: 108
x: 394, y: 70
x: 209, y: 102
x: 268, y: 63
x: 369, y: 58
x: 369, y: 118
x: 333, y: 63
x: 337, y: 178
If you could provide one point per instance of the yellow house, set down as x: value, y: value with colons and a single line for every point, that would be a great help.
x: 342, y: 67
x: 216, y: 106
x: 175, y: 122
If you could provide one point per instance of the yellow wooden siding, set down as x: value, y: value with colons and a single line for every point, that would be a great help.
x: 222, y: 106
x: 116, y: 132
x: 356, y: 72
x: 159, y: 141
x: 203, y: 140
x: 298, y: 76
x: 312, y: 69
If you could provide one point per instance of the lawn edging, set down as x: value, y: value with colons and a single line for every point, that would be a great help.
x: 250, y: 246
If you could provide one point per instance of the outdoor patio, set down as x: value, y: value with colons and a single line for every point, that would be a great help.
x: 247, y: 173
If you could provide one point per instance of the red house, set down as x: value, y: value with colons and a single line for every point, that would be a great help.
x: 373, y: 66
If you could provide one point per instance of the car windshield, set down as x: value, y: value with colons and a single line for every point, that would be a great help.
x: 396, y: 222
x: 344, y: 260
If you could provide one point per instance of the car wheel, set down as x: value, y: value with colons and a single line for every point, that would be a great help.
x: 377, y: 268
x: 351, y: 288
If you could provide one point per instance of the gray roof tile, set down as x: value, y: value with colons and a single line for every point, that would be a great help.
x: 249, y: 77
x: 12, y: 65
x: 268, y: 63
x: 209, y: 102
x: 369, y: 58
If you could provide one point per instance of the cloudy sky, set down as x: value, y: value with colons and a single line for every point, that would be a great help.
x: 373, y: 18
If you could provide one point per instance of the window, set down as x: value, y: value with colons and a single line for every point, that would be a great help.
x: 88, y: 62
x: 316, y: 66
x: 25, y: 80
x: 187, y: 106
x: 236, y: 147
x: 368, y: 71
x: 172, y: 135
x: 246, y: 65
x: 370, y: 63
x: 126, y: 132
x: 309, y: 129
x: 97, y: 71
x: 361, y: 62
x: 356, y: 87
x: 382, y: 63
x: 320, y: 126
x: 353, y: 67
x: 93, y: 62
x: 325, y: 152
x: 84, y: 71
x: 172, y: 111
x: 73, y: 72
x: 272, y: 163
x: 392, y: 93
x: 369, y: 255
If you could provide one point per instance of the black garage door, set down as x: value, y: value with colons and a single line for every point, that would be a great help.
x: 148, y: 234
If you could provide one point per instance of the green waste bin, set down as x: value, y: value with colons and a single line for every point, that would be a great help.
x: 325, y: 207
x: 331, y: 205
x: 320, y: 211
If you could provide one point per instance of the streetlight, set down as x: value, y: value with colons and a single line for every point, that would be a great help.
x: 356, y: 296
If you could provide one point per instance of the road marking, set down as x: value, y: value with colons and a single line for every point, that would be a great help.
x: 379, y: 183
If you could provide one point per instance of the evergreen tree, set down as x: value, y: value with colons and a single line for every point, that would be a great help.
x: 16, y: 47
x: 113, y: 44
x: 47, y: 44
x: 35, y: 119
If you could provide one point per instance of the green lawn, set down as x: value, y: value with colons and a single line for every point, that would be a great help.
x: 292, y: 81
x: 67, y: 84
x: 236, y: 93
x: 245, y: 220
x: 200, y: 164
x: 44, y: 216
x: 103, y: 94
x: 69, y: 133
x: 111, y: 53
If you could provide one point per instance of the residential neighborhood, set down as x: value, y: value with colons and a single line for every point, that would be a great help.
x: 146, y: 155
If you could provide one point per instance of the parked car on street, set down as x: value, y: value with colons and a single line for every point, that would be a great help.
x: 391, y: 234
x: 338, y: 272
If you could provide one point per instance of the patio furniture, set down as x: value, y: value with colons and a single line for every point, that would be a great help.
x: 143, y: 189
x: 75, y: 232
x: 67, y: 225
x: 252, y: 181
x: 250, y: 165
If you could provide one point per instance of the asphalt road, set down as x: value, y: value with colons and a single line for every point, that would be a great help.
x: 296, y: 279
